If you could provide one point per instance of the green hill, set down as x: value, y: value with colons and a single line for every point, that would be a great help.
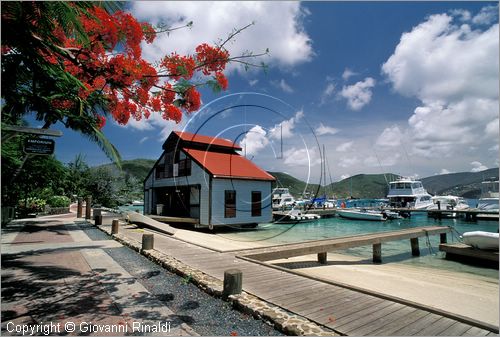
x: 464, y: 184
x: 296, y: 186
x: 137, y: 168
x: 361, y: 186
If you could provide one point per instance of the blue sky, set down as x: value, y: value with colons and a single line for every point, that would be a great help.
x: 408, y: 88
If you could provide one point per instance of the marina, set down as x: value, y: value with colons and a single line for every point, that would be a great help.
x: 361, y: 311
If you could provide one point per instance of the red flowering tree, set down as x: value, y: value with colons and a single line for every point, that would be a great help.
x: 79, y: 63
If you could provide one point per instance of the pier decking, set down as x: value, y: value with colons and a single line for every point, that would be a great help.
x: 346, y: 311
x: 460, y: 251
x: 321, y: 247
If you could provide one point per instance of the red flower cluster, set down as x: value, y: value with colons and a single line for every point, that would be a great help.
x: 101, y: 121
x: 211, y: 59
x: 111, y: 66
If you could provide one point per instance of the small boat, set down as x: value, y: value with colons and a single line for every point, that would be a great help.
x: 137, y: 203
x: 361, y: 214
x: 489, y: 195
x: 297, y: 216
x: 447, y: 202
x: 481, y: 240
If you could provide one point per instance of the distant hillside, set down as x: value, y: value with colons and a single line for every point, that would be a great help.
x: 464, y: 184
x: 138, y: 168
x: 361, y: 186
x: 295, y: 185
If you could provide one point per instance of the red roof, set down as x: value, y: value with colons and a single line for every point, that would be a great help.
x: 226, y: 165
x: 196, y: 138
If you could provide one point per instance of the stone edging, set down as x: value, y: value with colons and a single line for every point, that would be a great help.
x: 281, y: 319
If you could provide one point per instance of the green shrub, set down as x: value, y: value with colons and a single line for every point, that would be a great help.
x: 31, y: 205
x: 59, y: 201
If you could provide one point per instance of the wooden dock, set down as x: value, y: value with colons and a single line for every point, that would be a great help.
x: 344, y: 310
x: 321, y: 247
x: 460, y: 251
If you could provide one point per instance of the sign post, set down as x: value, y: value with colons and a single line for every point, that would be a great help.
x: 39, y: 146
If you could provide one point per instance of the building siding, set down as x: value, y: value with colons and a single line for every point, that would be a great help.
x: 244, y: 189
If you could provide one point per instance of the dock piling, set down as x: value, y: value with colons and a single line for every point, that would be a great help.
x: 114, y: 226
x: 322, y: 258
x: 147, y: 241
x: 233, y: 282
x: 415, y: 250
x: 377, y: 253
x: 443, y: 238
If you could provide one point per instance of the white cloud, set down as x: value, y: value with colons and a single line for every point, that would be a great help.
x: 155, y: 122
x: 344, y: 176
x: 143, y: 139
x: 278, y: 26
x: 348, y: 73
x: 486, y: 16
x: 254, y: 141
x: 344, y: 147
x: 390, y: 137
x: 477, y: 167
x: 359, y: 94
x: 462, y: 14
x: 327, y: 92
x: 283, y: 86
x: 302, y: 157
x: 325, y: 130
x: 348, y: 161
x: 253, y: 82
x: 285, y: 128
x: 453, y: 70
x: 445, y: 171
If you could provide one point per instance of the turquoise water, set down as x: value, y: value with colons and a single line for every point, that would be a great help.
x: 132, y: 208
x: 397, y: 251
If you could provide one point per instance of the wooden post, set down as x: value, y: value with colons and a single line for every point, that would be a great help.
x: 98, y: 220
x: 97, y: 210
x: 88, y: 207
x: 322, y: 258
x: 415, y: 250
x: 147, y: 241
x: 233, y: 282
x: 79, y: 208
x: 443, y: 238
x: 377, y: 253
x: 114, y: 226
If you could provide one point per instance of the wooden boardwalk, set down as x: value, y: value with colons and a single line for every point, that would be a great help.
x: 346, y: 311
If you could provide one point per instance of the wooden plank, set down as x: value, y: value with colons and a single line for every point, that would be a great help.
x: 368, y: 329
x: 369, y: 318
x: 437, y: 327
x: 415, y: 327
x: 459, y: 328
x: 306, y: 298
x: 319, y: 246
x: 337, y: 301
x: 391, y: 328
x: 362, y: 312
x: 296, y: 288
x: 344, y: 308
x: 319, y: 304
x: 465, y: 250
x: 474, y: 331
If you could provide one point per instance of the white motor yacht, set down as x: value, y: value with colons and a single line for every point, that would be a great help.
x: 361, y: 214
x: 489, y: 195
x: 409, y: 193
x: 282, y: 199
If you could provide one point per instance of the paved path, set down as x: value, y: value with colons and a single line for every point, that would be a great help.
x: 348, y: 312
x: 53, y: 273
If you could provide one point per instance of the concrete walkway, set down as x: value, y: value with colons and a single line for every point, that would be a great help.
x: 56, y: 279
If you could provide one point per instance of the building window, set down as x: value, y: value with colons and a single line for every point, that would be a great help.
x: 256, y: 203
x: 184, y: 167
x: 230, y: 204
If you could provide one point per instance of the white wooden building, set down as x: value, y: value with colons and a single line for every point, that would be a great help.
x: 205, y: 178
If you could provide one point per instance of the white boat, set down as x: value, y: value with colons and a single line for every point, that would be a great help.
x: 489, y: 195
x: 409, y: 193
x: 297, y: 216
x: 481, y: 240
x: 448, y: 202
x: 137, y: 203
x: 282, y: 199
x: 361, y: 214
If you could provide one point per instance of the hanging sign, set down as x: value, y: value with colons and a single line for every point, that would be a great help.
x: 39, y: 146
